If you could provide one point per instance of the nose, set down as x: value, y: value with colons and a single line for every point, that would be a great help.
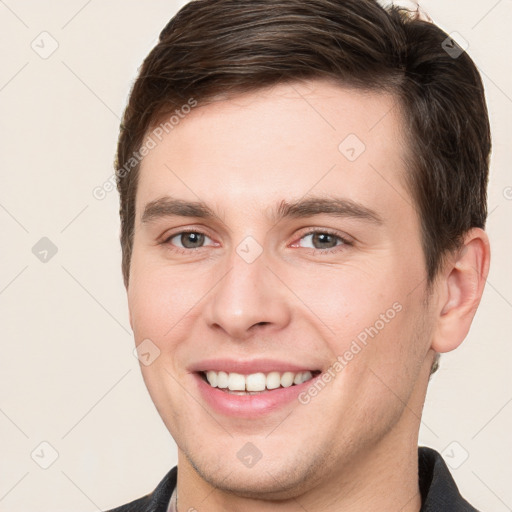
x: 247, y: 298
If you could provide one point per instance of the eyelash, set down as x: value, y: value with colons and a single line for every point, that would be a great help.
x: 337, y: 248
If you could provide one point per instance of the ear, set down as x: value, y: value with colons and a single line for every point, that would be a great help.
x: 130, y: 317
x: 459, y: 287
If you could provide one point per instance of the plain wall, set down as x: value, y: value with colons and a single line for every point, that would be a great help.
x: 68, y: 374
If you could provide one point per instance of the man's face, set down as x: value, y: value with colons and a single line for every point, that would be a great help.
x: 251, y: 286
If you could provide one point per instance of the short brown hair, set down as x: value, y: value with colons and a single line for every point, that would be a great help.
x: 228, y: 47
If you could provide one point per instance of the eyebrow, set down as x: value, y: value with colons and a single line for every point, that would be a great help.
x: 335, y: 206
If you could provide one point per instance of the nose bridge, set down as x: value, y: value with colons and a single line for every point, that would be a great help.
x: 248, y: 294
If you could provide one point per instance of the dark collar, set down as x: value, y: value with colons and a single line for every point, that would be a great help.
x: 158, y: 500
x: 439, y: 492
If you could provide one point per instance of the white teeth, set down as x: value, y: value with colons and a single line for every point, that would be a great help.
x: 256, y: 381
x: 287, y: 379
x: 212, y: 378
x: 236, y: 382
x: 222, y: 379
x: 302, y: 377
x: 273, y: 380
x: 306, y: 376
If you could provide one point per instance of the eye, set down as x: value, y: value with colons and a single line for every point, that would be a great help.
x: 187, y: 240
x: 325, y: 241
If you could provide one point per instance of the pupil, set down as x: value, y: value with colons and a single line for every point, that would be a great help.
x: 195, y: 238
x: 321, y: 238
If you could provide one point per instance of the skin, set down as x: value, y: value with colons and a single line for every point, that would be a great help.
x: 354, y: 446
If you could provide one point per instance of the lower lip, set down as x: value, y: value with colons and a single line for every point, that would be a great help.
x: 250, y: 406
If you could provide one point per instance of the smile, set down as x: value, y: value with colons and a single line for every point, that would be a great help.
x: 239, y: 384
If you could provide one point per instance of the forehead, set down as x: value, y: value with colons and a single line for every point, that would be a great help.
x: 258, y: 148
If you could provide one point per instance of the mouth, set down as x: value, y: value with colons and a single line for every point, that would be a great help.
x: 255, y: 383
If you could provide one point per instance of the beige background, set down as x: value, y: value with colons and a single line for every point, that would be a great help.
x: 68, y: 375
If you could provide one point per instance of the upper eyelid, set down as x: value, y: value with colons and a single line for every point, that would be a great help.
x: 185, y: 231
x: 328, y: 231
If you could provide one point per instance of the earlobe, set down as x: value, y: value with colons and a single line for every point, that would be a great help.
x: 460, y: 290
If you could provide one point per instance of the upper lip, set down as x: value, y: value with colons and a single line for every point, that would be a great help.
x: 249, y: 366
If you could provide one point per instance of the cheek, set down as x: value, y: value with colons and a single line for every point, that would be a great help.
x: 345, y: 300
x: 159, y: 298
x: 369, y: 321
